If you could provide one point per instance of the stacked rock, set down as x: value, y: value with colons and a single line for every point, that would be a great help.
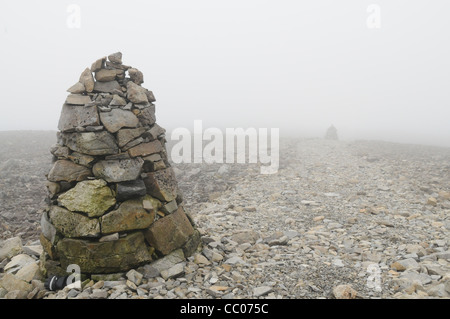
x: 113, y: 198
x: 331, y: 133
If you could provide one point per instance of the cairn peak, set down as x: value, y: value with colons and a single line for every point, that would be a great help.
x: 111, y: 176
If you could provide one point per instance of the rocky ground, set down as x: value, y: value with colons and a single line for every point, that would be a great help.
x: 340, y: 219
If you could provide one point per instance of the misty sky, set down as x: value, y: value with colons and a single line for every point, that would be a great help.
x: 296, y: 65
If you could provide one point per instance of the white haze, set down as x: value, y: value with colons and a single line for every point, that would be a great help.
x: 296, y: 65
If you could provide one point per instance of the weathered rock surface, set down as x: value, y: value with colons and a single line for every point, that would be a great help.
x: 117, y: 118
x: 72, y: 224
x: 68, y: 171
x: 91, y: 143
x: 104, y: 257
x: 118, y: 170
x: 91, y: 197
x: 130, y: 215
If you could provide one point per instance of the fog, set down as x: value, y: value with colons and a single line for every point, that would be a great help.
x: 299, y: 66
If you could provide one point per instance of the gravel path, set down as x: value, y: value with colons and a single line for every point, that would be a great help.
x: 339, y: 219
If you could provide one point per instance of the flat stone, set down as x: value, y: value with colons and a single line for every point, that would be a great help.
x: 107, y: 75
x: 136, y: 76
x: 146, y: 149
x: 10, y: 282
x: 130, y: 215
x: 81, y: 159
x: 91, y: 197
x: 78, y: 99
x: 28, y: 272
x: 18, y: 262
x: 115, y: 171
x: 33, y: 250
x: 10, y: 248
x: 87, y: 80
x: 409, y: 263
x: 130, y: 189
x: 75, y: 116
x: 124, y: 136
x: 133, y: 143
x: 115, y: 57
x: 150, y: 96
x: 91, y: 143
x: 161, y: 184
x: 261, y: 291
x: 118, y: 118
x: 106, y: 257
x: 136, y: 93
x: 168, y: 261
x: 64, y: 170
x: 72, y: 224
x: 170, y: 232
x: 173, y: 272
x: 77, y: 88
x: 107, y: 87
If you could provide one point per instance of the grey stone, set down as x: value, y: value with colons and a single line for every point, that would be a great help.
x: 261, y: 291
x: 124, y: 136
x: 74, y: 116
x: 91, y: 143
x: 170, y: 207
x: 111, y: 237
x: 64, y: 170
x: 107, y: 87
x: 87, y: 80
x: 77, y: 88
x: 168, y: 261
x: 135, y: 277
x: 78, y: 99
x: 48, y: 230
x: 115, y: 57
x: 115, y: 171
x: 173, y: 272
x: 10, y: 248
x: 99, y: 64
x: 105, y: 75
x: 136, y: 76
x: 136, y: 93
x: 117, y: 119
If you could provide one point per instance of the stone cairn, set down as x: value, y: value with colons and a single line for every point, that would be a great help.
x: 331, y: 133
x: 113, y: 199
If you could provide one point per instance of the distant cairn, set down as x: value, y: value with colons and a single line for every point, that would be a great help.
x: 331, y: 133
x: 113, y: 199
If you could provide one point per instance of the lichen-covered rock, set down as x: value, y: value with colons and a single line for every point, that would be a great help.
x: 130, y: 215
x: 91, y: 197
x: 91, y: 143
x: 72, y: 224
x: 104, y: 257
x: 170, y: 232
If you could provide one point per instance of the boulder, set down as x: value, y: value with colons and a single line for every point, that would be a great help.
x: 161, y: 184
x: 105, y: 257
x: 170, y: 233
